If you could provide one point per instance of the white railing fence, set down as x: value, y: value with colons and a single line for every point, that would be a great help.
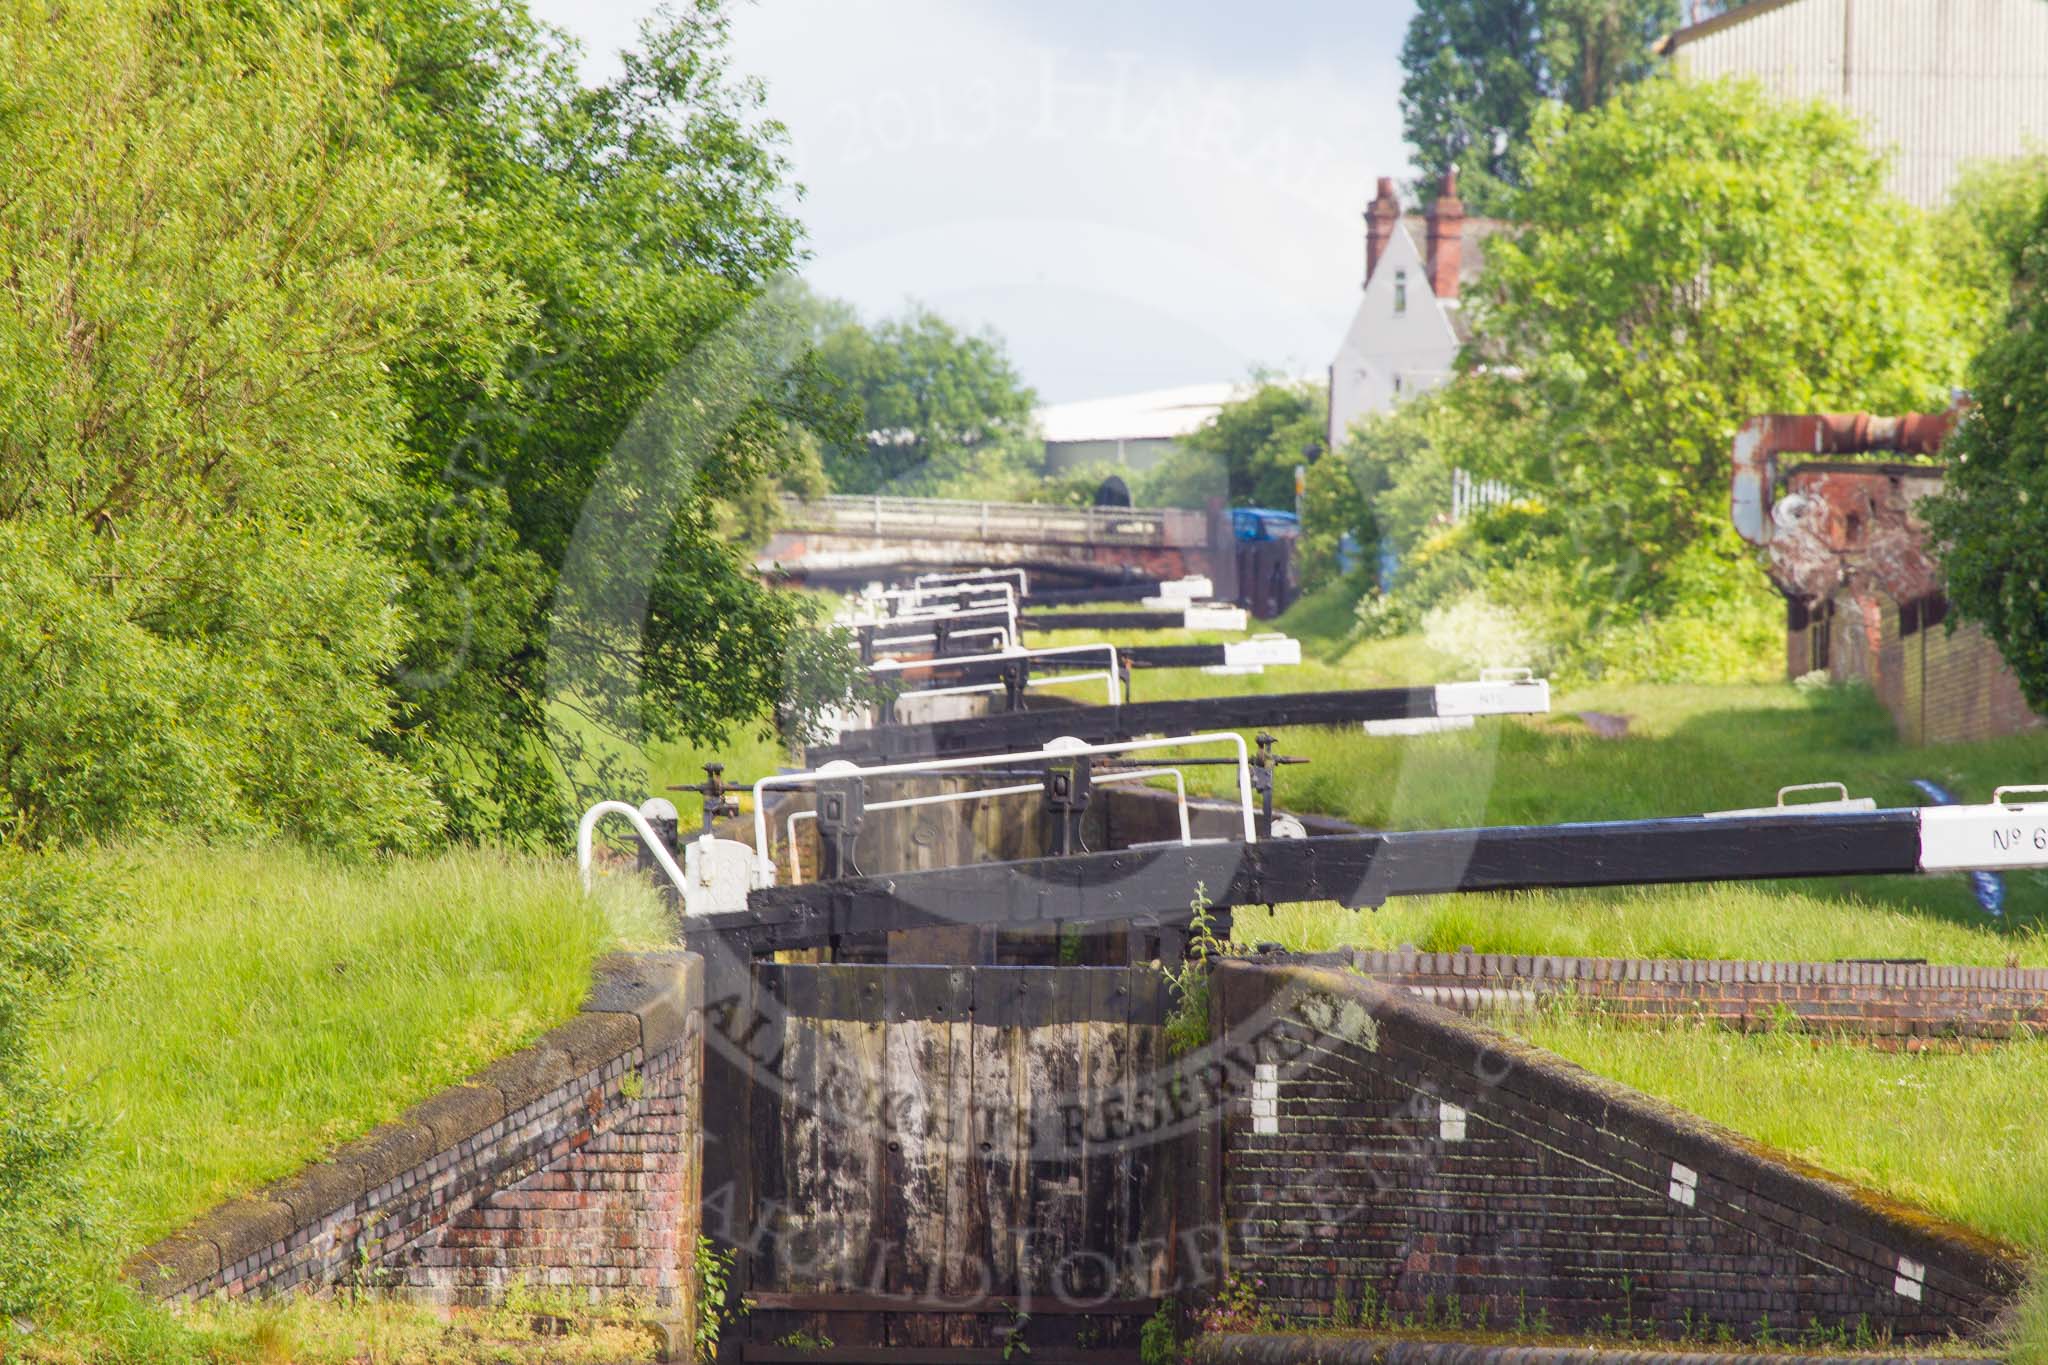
x: 1468, y: 495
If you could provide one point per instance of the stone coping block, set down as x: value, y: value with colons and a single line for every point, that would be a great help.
x: 1907, y: 1005
x: 1562, y: 970
x: 1310, y: 1348
x: 637, y: 1001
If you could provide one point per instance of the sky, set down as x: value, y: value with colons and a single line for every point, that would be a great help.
x: 1133, y: 194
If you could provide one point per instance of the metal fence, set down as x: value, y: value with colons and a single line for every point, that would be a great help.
x: 1468, y: 495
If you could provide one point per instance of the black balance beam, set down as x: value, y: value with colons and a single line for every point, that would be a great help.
x: 1017, y: 731
x: 1156, y: 885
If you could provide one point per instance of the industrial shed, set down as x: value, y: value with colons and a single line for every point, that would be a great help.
x: 1939, y: 83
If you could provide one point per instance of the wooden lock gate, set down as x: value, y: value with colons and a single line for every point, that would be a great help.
x: 918, y: 1162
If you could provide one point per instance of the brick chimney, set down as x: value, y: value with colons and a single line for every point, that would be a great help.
x: 1446, y: 228
x: 1380, y: 217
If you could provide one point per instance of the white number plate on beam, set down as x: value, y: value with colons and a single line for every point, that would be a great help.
x: 1214, y: 618
x: 1182, y: 591
x: 1261, y: 651
x: 1983, y: 838
x: 1523, y: 697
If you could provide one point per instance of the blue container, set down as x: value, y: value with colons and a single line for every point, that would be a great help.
x: 1264, y: 523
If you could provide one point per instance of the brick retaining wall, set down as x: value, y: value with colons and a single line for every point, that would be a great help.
x: 573, y: 1163
x: 1907, y: 1002
x: 1302, y: 1348
x: 1387, y: 1152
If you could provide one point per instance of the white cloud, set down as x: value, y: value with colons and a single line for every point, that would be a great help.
x: 1126, y: 212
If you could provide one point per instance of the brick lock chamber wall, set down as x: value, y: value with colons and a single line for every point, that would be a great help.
x: 575, y: 1163
x: 1392, y: 1153
x: 602, y: 1202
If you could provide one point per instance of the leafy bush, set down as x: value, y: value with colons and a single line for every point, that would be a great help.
x: 1399, y: 464
x: 50, y: 909
x: 1186, y: 478
x: 333, y: 338
x: 1076, y: 487
x: 1707, y: 635
x: 1480, y: 595
x: 1982, y: 234
x: 572, y: 569
x: 1675, y: 266
x: 1245, y: 454
x: 1481, y: 633
x: 1332, y: 507
x: 197, y: 422
x: 1159, y: 1337
x: 1991, y: 509
x: 934, y: 405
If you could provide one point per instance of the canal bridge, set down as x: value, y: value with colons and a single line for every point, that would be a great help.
x: 844, y: 541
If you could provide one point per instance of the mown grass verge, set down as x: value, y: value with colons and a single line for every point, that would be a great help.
x: 257, y: 1007
x: 529, y: 1329
x: 261, y: 1006
x: 1957, y: 1133
x: 1729, y: 920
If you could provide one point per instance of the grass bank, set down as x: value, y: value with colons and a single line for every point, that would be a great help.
x: 1958, y: 1133
x: 528, y: 1329
x: 260, y: 1006
x: 1731, y: 920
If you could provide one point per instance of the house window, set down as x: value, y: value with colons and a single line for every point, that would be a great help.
x: 1400, y: 292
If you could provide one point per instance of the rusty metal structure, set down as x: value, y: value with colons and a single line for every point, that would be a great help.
x: 1861, y: 579
x: 1839, y: 524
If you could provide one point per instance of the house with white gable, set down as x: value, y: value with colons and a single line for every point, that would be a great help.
x: 1405, y: 336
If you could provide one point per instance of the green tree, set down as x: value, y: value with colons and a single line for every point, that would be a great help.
x: 1245, y: 454
x: 1332, y: 507
x: 1982, y: 234
x: 1398, y: 463
x: 934, y: 408
x: 217, y: 256
x: 1989, y: 515
x: 1685, y: 256
x: 1477, y: 71
x: 656, y: 388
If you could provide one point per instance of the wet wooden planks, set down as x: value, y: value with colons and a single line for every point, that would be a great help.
x: 949, y: 1154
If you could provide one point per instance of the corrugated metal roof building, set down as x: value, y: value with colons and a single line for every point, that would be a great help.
x: 1939, y: 83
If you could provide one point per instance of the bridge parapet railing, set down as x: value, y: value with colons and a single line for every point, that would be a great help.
x: 1035, y: 522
